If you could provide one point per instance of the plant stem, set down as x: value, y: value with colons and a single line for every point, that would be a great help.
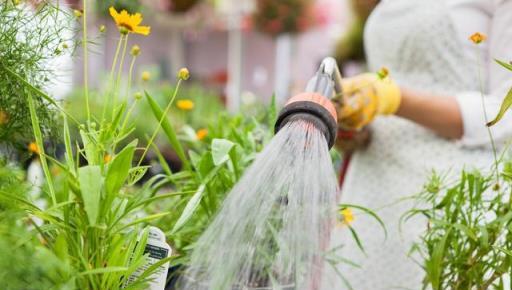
x: 39, y: 141
x: 164, y: 115
x: 85, y: 66
x: 130, y: 74
x: 112, y: 69
x: 120, y: 71
x: 489, y: 132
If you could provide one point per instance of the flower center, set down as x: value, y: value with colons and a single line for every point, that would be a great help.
x: 127, y: 26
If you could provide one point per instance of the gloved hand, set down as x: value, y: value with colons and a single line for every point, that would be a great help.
x: 364, y: 97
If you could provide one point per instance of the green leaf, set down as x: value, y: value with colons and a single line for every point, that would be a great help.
x: 67, y: 142
x: 61, y: 247
x: 369, y: 212
x: 136, y: 173
x: 434, y: 265
x: 504, y: 64
x: 357, y: 239
x: 220, y: 150
x: 507, y: 102
x: 91, y: 182
x: 103, y: 270
x: 144, y: 220
x: 190, y: 208
x: 89, y: 148
x: 119, y: 169
x: 508, y: 252
x: 168, y: 130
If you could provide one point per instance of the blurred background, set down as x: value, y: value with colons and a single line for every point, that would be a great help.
x: 238, y: 51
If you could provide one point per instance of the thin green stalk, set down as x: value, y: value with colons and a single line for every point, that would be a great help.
x: 132, y: 107
x: 130, y: 74
x: 111, y: 77
x: 85, y: 66
x: 125, y: 122
x: 164, y: 115
x: 484, y: 108
x: 120, y: 71
x: 39, y: 141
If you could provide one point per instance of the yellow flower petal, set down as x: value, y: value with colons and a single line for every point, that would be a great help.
x: 113, y: 13
x: 144, y: 30
x: 136, y: 19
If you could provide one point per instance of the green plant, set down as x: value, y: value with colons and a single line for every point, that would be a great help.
x: 469, y: 238
x: 29, y: 40
x: 25, y: 263
x: 94, y: 223
x: 216, y: 164
x: 468, y: 242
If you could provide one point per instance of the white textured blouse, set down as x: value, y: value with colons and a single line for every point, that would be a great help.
x: 425, y: 44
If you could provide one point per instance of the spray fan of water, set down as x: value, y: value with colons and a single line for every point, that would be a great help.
x: 273, y: 228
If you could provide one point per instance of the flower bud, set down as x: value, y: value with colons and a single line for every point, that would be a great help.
x: 146, y: 76
x: 135, y: 50
x: 77, y: 13
x: 183, y: 74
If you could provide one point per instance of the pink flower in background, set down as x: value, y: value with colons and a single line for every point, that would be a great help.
x: 323, y: 13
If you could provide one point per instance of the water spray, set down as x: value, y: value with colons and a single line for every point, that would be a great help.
x: 273, y: 229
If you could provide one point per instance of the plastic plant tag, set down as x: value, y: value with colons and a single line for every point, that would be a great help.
x: 158, y: 249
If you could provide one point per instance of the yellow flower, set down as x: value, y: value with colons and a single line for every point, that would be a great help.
x: 146, y: 76
x: 183, y: 74
x: 107, y: 158
x: 130, y: 22
x: 347, y: 216
x: 478, y: 37
x: 201, y: 134
x: 33, y: 148
x: 185, y: 105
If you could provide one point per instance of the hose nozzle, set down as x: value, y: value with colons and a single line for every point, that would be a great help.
x: 314, y: 105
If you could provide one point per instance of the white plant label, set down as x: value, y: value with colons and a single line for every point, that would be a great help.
x: 158, y: 249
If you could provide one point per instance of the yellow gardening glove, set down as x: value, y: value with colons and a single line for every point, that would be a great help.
x: 364, y: 97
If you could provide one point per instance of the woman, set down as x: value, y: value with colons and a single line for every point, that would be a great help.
x: 433, y: 119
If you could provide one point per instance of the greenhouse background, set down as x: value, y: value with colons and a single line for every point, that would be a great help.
x: 255, y: 144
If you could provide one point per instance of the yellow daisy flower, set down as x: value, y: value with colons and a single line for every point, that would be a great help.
x: 185, y: 105
x: 478, y: 37
x: 201, y: 134
x: 33, y: 148
x: 129, y: 22
x: 347, y: 216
